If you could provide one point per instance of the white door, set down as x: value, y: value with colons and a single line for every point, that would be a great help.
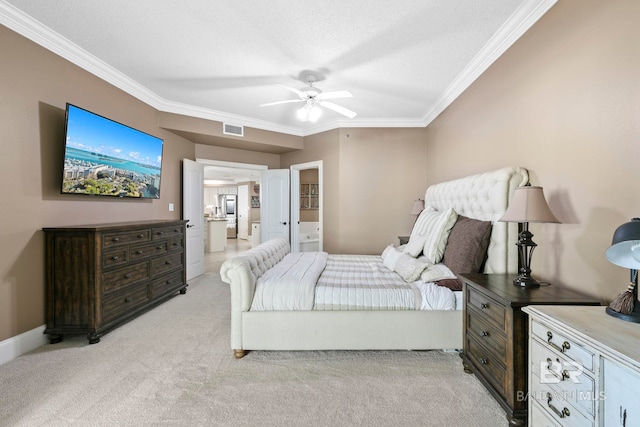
x: 274, y: 204
x: 192, y: 211
x: 243, y: 212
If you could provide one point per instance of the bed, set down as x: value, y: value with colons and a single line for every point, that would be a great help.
x: 480, y: 198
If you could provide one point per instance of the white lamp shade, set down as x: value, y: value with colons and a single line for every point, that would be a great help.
x: 418, y: 206
x: 528, y: 205
x: 625, y: 247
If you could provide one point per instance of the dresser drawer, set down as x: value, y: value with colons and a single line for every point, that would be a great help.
x: 115, y: 257
x: 169, y: 283
x: 167, y: 232
x: 176, y: 244
x: 166, y: 263
x: 124, y: 276
x: 492, y: 368
x: 125, y: 238
x: 491, y: 309
x: 539, y: 417
x: 124, y: 300
x: 559, y: 342
x: 556, y: 405
x: 144, y: 251
x: 565, y: 377
x: 486, y: 333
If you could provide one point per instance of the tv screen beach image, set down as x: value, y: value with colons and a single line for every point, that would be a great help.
x: 107, y: 158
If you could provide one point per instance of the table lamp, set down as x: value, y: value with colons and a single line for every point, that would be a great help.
x: 625, y: 252
x: 528, y: 205
x: 418, y: 206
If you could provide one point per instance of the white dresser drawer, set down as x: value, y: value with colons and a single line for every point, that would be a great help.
x: 566, y: 377
x: 539, y: 418
x: 564, y: 345
x: 555, y: 406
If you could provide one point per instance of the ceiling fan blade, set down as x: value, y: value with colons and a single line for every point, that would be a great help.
x: 335, y: 94
x: 339, y: 109
x: 281, y: 102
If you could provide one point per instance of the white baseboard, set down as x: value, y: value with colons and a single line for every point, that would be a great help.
x: 21, y: 344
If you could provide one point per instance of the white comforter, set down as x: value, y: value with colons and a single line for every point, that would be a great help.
x: 344, y: 282
x: 290, y: 284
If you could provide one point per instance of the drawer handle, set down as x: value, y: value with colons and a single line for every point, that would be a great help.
x: 565, y: 345
x: 127, y: 299
x: 115, y: 257
x: 563, y: 373
x: 139, y: 252
x: 159, y: 248
x: 168, y: 282
x: 115, y: 240
x: 160, y: 233
x: 167, y: 262
x: 140, y: 236
x: 483, y: 361
x: 562, y: 414
x: 485, y: 333
x: 484, y: 306
x: 127, y: 276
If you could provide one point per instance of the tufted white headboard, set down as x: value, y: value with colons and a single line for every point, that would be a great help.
x: 485, y: 197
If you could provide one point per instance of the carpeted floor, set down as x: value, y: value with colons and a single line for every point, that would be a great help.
x: 173, y: 366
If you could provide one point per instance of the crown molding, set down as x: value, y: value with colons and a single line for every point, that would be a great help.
x: 517, y: 24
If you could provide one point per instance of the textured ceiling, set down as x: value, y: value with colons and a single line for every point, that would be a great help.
x: 404, y: 61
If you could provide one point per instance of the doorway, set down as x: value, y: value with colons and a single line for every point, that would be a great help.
x: 307, y: 204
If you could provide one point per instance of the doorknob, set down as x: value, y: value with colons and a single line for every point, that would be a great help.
x: 284, y: 223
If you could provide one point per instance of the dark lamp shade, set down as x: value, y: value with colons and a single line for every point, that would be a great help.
x: 625, y: 246
x: 528, y: 205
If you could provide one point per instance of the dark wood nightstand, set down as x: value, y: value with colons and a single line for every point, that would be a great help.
x: 496, y: 334
x: 403, y: 240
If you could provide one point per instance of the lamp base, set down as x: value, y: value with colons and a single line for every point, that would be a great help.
x: 526, y: 282
x: 631, y: 317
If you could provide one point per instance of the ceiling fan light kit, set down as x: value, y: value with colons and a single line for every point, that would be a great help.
x: 314, y: 98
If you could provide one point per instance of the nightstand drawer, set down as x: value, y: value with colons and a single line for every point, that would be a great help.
x: 492, y: 368
x: 491, y: 309
x: 566, y: 346
x: 486, y: 333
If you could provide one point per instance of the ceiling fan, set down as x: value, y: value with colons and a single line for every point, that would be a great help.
x: 313, y: 99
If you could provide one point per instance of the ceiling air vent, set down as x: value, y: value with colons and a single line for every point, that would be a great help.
x: 228, y: 129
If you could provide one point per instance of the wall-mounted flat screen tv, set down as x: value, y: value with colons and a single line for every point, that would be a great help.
x: 106, y: 158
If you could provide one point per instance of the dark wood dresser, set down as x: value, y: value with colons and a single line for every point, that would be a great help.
x: 100, y: 276
x: 496, y: 334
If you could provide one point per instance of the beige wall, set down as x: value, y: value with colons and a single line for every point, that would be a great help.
x: 371, y: 179
x: 563, y: 102
x: 35, y: 86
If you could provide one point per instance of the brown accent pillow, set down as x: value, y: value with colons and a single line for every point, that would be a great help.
x: 467, y: 245
x: 453, y: 284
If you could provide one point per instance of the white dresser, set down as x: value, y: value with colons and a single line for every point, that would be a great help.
x: 584, y: 368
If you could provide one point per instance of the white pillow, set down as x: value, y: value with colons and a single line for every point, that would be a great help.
x: 430, y: 233
x: 436, y: 272
x: 390, y: 257
x: 409, y: 268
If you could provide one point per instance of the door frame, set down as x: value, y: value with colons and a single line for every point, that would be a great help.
x: 295, y: 202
